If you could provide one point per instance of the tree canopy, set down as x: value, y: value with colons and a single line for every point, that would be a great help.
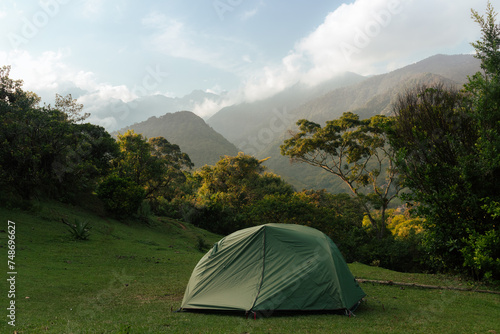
x: 354, y: 150
x: 43, y: 150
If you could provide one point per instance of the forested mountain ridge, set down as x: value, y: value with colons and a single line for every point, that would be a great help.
x: 239, y: 121
x: 346, y: 93
x: 203, y: 144
x: 367, y: 98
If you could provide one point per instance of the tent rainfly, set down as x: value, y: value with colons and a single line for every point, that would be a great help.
x: 273, y: 267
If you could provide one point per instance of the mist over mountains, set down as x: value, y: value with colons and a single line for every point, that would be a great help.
x: 126, y: 113
x: 259, y: 128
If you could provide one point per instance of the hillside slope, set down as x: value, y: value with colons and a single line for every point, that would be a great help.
x: 367, y: 98
x: 202, y: 143
x: 125, y: 270
x: 238, y: 123
x: 130, y: 277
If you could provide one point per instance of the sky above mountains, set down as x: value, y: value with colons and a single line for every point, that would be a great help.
x: 101, y: 51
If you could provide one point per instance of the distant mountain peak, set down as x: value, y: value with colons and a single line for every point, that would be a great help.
x: 199, y: 95
x: 184, y: 128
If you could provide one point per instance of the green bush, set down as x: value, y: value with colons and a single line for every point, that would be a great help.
x: 170, y: 208
x: 214, y: 217
x: 482, y: 254
x: 120, y: 196
x: 393, y: 253
x: 282, y: 209
x: 201, y: 244
x: 144, y: 212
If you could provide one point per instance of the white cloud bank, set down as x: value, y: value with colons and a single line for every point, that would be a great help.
x: 370, y: 37
x: 49, y: 74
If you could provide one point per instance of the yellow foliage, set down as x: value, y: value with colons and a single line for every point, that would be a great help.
x: 366, y: 222
x: 400, y: 225
x: 399, y: 222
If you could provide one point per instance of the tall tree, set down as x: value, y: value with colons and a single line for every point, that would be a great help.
x: 448, y: 145
x: 484, y: 91
x: 72, y: 109
x: 228, y: 192
x: 354, y: 150
x: 153, y: 164
x: 434, y: 136
x: 173, y: 163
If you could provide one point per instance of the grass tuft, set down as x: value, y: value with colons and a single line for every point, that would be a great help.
x: 80, y: 230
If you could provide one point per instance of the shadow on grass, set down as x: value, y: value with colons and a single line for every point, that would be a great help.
x: 270, y: 313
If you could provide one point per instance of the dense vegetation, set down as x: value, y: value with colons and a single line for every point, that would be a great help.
x: 46, y: 151
x: 441, y: 145
x: 448, y: 145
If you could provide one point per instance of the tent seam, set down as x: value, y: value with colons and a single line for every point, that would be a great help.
x: 263, y: 268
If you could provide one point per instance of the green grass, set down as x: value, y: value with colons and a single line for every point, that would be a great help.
x: 129, y: 277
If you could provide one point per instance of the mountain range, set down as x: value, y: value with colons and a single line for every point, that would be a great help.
x: 259, y: 128
x: 140, y: 109
x: 203, y: 144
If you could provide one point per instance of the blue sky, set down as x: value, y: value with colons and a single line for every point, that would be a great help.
x: 102, y: 50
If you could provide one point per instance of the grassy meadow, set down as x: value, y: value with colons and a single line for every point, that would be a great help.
x: 130, y: 278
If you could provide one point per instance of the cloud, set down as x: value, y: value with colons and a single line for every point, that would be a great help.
x: 155, y: 20
x: 209, y: 107
x: 370, y: 37
x: 41, y: 73
x: 48, y: 74
x: 217, y: 89
x: 249, y: 14
x: 364, y: 36
x: 174, y: 38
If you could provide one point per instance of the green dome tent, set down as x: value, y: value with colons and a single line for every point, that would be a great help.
x: 273, y: 267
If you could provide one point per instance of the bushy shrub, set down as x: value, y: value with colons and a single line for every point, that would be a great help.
x: 213, y: 217
x: 280, y: 209
x: 169, y: 208
x: 401, y: 226
x: 482, y: 254
x: 120, y: 196
x: 400, y: 254
x: 144, y: 212
x: 201, y: 244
